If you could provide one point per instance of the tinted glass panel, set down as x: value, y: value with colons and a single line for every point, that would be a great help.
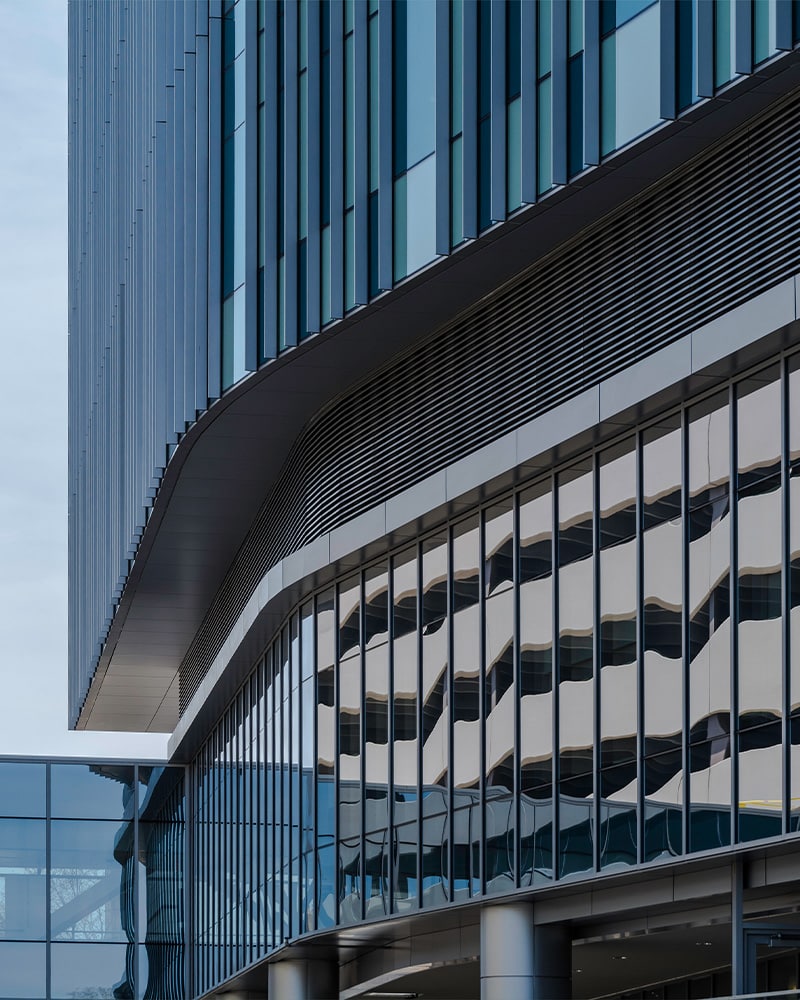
x: 22, y: 789
x: 24, y: 970
x: 23, y: 889
x: 91, y: 791
x: 91, y: 970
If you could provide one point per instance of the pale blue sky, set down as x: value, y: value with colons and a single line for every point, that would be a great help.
x: 33, y: 397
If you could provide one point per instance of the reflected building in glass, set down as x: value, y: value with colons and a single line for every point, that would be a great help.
x: 434, y: 437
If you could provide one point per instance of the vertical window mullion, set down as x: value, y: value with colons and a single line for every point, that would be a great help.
x: 734, y: 612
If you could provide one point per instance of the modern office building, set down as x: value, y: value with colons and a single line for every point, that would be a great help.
x: 434, y: 456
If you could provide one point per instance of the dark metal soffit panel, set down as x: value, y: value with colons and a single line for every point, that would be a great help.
x: 229, y: 461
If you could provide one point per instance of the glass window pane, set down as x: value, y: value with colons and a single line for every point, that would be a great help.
x: 91, y: 970
x: 663, y: 587
x: 23, y: 890
x: 793, y: 403
x: 631, y: 85
x: 536, y: 680
x: 405, y: 667
x: 91, y: 873
x: 420, y: 220
x: 663, y: 805
x: 91, y: 791
x: 466, y: 698
x: 456, y: 192
x: 544, y: 152
x: 576, y: 667
x: 724, y: 41
x: 500, y: 697
x: 618, y: 654
x: 24, y: 968
x: 514, y: 177
x: 22, y: 789
x: 435, y: 718
x: 456, y: 66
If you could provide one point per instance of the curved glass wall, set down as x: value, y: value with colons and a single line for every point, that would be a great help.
x: 92, y: 859
x: 595, y: 671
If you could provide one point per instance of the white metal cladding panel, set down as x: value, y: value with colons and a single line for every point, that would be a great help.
x: 138, y: 246
x: 710, y: 237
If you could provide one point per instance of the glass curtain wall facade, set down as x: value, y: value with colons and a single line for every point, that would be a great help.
x: 92, y: 863
x: 316, y: 155
x: 594, y: 672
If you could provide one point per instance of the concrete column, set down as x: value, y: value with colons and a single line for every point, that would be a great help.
x: 303, y: 979
x: 520, y: 961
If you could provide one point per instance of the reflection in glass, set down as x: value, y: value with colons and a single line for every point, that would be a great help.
x: 793, y: 406
x: 91, y: 970
x: 709, y: 621
x: 435, y: 720
x: 404, y: 748
x: 91, y: 880
x: 663, y: 638
x: 161, y: 888
x: 307, y: 712
x: 760, y: 662
x: 499, y: 697
x: 23, y: 868
x: 326, y: 754
x: 618, y: 656
x: 465, y: 598
x: 575, y: 667
x: 536, y: 684
x: 91, y: 791
x: 376, y: 728
x: 350, y: 863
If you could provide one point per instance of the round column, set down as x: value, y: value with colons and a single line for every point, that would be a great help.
x: 520, y: 961
x: 302, y: 979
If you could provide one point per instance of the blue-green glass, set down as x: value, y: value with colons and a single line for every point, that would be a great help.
x: 513, y: 49
x: 23, y: 888
x: 456, y: 66
x: 420, y: 81
x: 240, y: 89
x: 348, y: 15
x: 485, y: 174
x: 575, y: 16
x: 374, y: 104
x: 687, y: 54
x: 484, y: 60
x: 421, y: 214
x: 608, y: 95
x: 349, y: 260
x: 262, y: 65
x: 349, y: 123
x: 239, y: 206
x: 763, y: 30
x: 262, y: 155
x: 514, y: 169
x: 325, y: 316
x: 240, y: 24
x: 227, y: 342
x: 302, y: 150
x: 302, y: 33
x: 400, y: 224
x: 325, y: 140
x: 724, y: 41
x: 544, y: 152
x: 229, y: 100
x: 545, y: 40
x: 302, y: 288
x: 630, y: 80
x: 374, y: 242
x: 282, y: 303
x: 575, y: 115
x: 372, y: 7
x: 456, y: 192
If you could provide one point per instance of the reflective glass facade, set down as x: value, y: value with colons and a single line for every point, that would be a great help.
x: 92, y: 862
x: 307, y: 158
x: 594, y: 672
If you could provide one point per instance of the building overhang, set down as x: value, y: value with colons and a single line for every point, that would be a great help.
x: 227, y: 462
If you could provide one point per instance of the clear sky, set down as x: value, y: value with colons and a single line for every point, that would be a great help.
x: 33, y: 393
